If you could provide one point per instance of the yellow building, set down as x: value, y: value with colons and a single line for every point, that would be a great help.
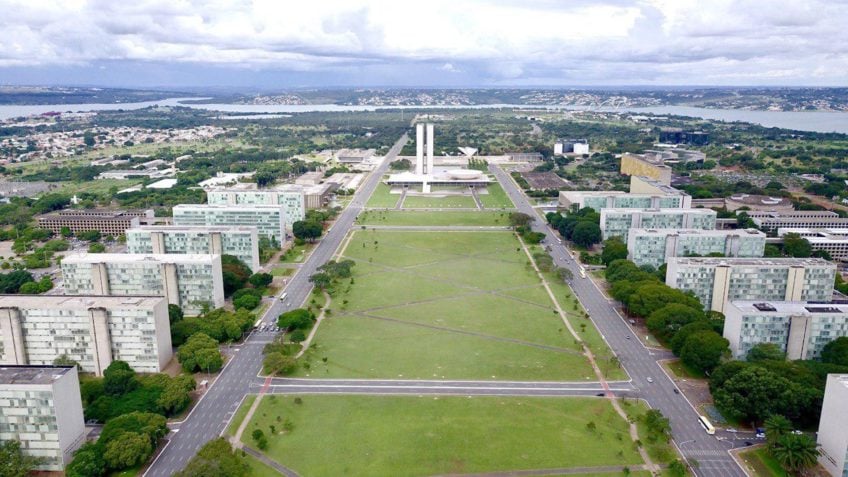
x: 647, y: 166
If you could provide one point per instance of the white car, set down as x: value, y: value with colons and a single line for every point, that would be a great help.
x: 650, y: 379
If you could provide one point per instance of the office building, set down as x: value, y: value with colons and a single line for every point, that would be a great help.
x: 833, y: 426
x: 717, y: 281
x: 189, y: 281
x: 679, y: 136
x: 107, y: 222
x: 762, y: 203
x: 40, y: 406
x: 354, y: 156
x: 240, y: 242
x: 832, y: 241
x: 292, y: 199
x: 800, y: 329
x: 646, y: 165
x: 571, y: 146
x: 270, y: 220
x: 655, y: 246
x: 617, y: 222
x: 91, y: 330
x: 575, y: 200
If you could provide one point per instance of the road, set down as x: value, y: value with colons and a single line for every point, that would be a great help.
x: 711, y: 453
x: 209, y: 417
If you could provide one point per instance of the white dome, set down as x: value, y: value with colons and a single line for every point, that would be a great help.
x: 464, y: 174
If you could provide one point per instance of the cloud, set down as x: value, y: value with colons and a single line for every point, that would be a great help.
x: 489, y: 42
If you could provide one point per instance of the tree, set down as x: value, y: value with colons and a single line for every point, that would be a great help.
x: 755, y: 393
x: 614, y: 249
x: 64, y: 360
x: 175, y: 313
x: 308, y: 230
x: 564, y: 273
x: 175, y: 397
x: 776, y: 426
x: 653, y: 296
x: 278, y: 363
x: 151, y: 425
x: 89, y: 235
x: 666, y: 321
x: 87, y: 462
x: 796, y: 246
x: 704, y: 350
x: 11, y: 282
x: 586, y: 233
x: 836, y: 352
x: 321, y: 280
x: 677, y: 468
x: 519, y: 219
x: 679, y: 338
x: 247, y: 302
x: 13, y: 462
x: 119, y: 378
x: 234, y: 272
x: 200, y: 352
x: 97, y: 248
x: 216, y: 459
x: 29, y: 288
x: 88, y: 139
x: 657, y: 424
x: 66, y: 232
x: 260, y: 280
x: 795, y: 452
x: 766, y: 352
x: 128, y: 449
x: 299, y: 318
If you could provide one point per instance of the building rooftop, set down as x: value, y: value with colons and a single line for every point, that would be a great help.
x: 750, y: 232
x: 659, y: 211
x: 176, y: 258
x: 741, y: 262
x: 760, y: 200
x: 194, y: 228
x: 77, y: 302
x: 658, y: 185
x: 23, y: 375
x: 229, y: 207
x: 816, y: 234
x: 789, y: 307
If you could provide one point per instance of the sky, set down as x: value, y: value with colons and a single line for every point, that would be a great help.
x: 267, y: 44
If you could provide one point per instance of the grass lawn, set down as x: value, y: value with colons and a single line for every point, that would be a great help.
x: 297, y: 253
x: 443, y: 218
x: 436, y: 201
x: 126, y: 473
x: 282, y: 271
x: 382, y: 435
x: 444, y: 305
x: 259, y: 469
x: 661, y: 452
x: 682, y: 371
x: 99, y: 186
x: 496, y: 198
x: 762, y: 463
x: 383, y: 198
x: 232, y: 427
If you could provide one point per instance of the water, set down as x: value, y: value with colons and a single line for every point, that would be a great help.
x: 816, y: 121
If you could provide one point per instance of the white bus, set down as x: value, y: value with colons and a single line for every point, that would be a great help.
x: 705, y: 423
x: 283, y: 296
x: 257, y: 324
x: 582, y: 272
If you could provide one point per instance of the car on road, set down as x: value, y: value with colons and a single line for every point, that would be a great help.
x: 676, y: 391
x: 748, y: 443
x: 761, y: 435
x: 797, y: 432
x: 627, y: 337
x: 650, y: 379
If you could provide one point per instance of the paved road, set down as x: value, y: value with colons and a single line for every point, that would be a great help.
x: 640, y: 363
x: 209, y: 417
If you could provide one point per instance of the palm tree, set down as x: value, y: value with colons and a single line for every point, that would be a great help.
x: 795, y: 452
x: 776, y: 426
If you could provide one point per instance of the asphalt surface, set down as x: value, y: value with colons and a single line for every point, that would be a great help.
x: 209, y: 417
x: 695, y: 444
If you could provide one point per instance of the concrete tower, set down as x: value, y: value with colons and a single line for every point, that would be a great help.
x: 423, y: 144
x: 430, y: 135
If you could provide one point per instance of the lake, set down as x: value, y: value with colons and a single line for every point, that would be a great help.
x: 817, y: 121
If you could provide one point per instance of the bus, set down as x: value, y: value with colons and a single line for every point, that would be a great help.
x: 283, y: 296
x: 257, y: 324
x: 705, y: 423
x: 582, y: 272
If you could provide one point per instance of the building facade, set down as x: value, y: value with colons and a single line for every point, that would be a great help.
x: 40, y: 406
x: 832, y: 241
x: 718, y: 281
x: 575, y: 200
x: 270, y: 220
x: 618, y: 222
x: 292, y: 199
x: 91, y: 330
x: 114, y: 223
x: 189, y: 281
x: 655, y: 246
x: 833, y: 426
x: 647, y: 166
x: 240, y: 242
x: 800, y: 329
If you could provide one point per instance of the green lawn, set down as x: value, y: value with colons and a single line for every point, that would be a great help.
x: 442, y: 218
x: 496, y: 198
x: 682, y: 371
x: 282, y: 271
x: 259, y: 469
x: 762, y: 463
x: 382, y: 197
x: 436, y: 201
x: 444, y: 305
x: 297, y: 253
x: 375, y: 436
x: 239, y: 415
x: 661, y: 452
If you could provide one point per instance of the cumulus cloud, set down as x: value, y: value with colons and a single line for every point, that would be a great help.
x: 489, y: 42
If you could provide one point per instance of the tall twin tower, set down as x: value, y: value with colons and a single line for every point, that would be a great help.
x: 420, y: 144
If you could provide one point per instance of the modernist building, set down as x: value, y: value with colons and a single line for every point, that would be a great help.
x: 240, y: 242
x: 190, y: 281
x: 617, y: 222
x: 801, y: 329
x: 762, y: 203
x: 575, y: 200
x: 107, y: 222
x: 40, y: 406
x: 292, y: 199
x: 832, y: 241
x: 571, y: 146
x: 91, y: 330
x: 678, y: 136
x: 833, y: 426
x: 646, y: 165
x: 655, y: 246
x: 270, y: 220
x: 718, y: 281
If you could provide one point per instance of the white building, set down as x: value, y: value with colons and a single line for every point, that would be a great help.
x: 617, y: 222
x: 833, y: 426
x: 292, y: 199
x: 614, y: 199
x: 40, y: 406
x: 189, y: 281
x: 270, y: 220
x: 240, y: 242
x: 832, y: 241
x: 655, y: 246
x: 91, y: 330
x: 718, y: 281
x: 800, y: 329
